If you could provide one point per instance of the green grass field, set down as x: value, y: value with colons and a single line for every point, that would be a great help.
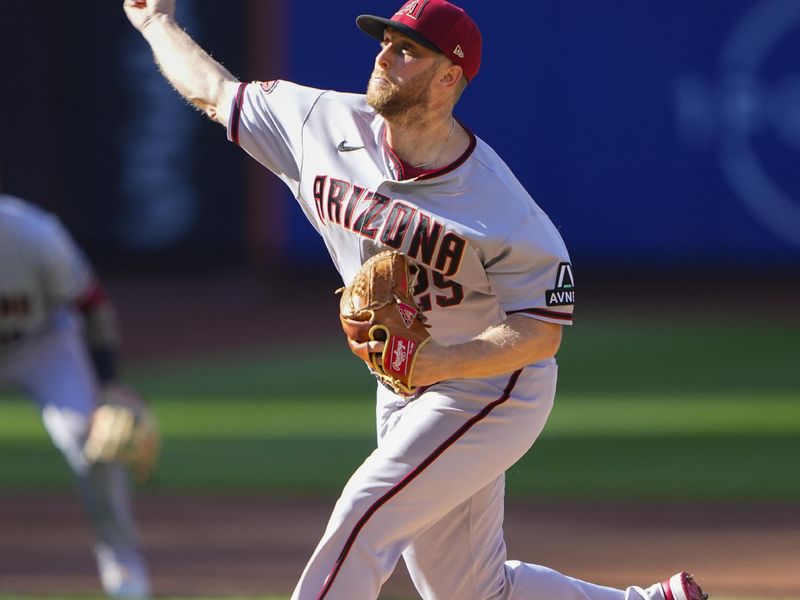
x: 699, y: 413
x: 695, y: 413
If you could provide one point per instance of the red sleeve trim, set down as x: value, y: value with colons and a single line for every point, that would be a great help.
x: 93, y: 297
x: 541, y: 312
x: 237, y: 113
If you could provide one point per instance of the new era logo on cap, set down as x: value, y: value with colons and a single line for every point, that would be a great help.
x: 436, y: 24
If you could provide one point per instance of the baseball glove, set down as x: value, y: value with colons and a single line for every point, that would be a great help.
x: 378, y: 305
x: 123, y: 429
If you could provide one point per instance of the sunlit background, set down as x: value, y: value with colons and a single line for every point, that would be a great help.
x: 662, y: 138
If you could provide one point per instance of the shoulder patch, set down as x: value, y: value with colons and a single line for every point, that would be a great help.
x: 563, y: 294
x: 268, y: 86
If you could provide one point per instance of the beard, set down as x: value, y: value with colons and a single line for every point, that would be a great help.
x: 391, y: 100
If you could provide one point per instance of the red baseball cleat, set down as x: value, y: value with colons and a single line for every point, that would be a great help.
x: 682, y: 587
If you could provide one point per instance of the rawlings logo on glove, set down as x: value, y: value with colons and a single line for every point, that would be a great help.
x: 378, y: 306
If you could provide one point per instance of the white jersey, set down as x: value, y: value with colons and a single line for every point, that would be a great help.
x: 41, y: 270
x: 484, y: 248
x: 434, y: 486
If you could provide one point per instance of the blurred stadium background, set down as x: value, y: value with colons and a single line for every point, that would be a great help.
x: 663, y: 139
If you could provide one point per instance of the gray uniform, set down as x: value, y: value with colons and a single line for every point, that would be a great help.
x: 43, y: 355
x: 433, y: 489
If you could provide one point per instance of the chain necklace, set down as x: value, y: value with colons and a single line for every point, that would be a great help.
x: 446, y: 144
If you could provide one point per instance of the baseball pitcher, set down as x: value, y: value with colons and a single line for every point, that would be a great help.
x: 456, y: 289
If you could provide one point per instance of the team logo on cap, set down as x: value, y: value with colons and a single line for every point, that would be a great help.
x: 413, y: 9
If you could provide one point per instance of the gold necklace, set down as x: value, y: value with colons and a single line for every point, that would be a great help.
x: 446, y: 144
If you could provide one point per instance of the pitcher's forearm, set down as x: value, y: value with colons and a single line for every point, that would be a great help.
x: 515, y: 343
x: 195, y: 75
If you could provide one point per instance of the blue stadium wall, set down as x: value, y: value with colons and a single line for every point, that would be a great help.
x: 664, y: 135
x: 658, y: 136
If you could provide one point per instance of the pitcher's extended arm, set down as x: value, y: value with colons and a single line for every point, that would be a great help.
x: 195, y: 75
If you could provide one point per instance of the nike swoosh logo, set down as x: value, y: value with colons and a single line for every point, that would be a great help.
x: 343, y: 147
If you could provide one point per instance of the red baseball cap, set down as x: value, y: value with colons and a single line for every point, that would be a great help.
x: 436, y: 24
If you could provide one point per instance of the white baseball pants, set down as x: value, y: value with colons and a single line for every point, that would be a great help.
x: 433, y: 492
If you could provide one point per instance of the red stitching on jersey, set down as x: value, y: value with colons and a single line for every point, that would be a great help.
x: 550, y: 314
x: 410, y: 477
x: 237, y: 111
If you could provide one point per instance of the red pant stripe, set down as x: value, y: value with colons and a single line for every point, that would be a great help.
x: 409, y: 478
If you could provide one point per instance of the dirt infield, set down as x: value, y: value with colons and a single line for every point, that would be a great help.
x: 256, y: 545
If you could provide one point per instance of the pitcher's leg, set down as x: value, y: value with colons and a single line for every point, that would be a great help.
x: 535, y: 582
x: 444, y: 450
x: 462, y: 554
x: 444, y: 564
x: 372, y: 522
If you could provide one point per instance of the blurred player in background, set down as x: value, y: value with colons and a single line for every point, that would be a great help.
x: 58, y: 346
